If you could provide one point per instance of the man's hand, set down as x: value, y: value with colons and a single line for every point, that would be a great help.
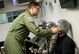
x: 56, y: 29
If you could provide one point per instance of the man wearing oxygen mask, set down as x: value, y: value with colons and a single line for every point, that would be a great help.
x: 64, y: 44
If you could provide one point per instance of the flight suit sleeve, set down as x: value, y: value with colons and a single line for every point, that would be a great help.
x: 36, y: 30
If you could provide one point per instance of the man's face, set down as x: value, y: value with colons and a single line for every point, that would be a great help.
x: 35, y: 10
x: 58, y: 25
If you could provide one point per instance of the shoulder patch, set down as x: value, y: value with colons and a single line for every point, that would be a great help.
x: 31, y: 19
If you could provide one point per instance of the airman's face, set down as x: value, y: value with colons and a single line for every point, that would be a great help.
x: 35, y: 10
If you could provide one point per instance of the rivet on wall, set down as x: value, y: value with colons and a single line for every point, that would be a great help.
x: 54, y: 1
x: 46, y: 3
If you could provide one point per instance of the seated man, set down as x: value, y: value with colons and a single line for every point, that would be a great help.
x: 64, y: 44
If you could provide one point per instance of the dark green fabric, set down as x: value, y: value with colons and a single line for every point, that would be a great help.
x: 20, y: 29
x: 68, y: 3
x: 64, y: 1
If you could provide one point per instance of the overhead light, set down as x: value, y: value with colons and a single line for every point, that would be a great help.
x: 14, y: 2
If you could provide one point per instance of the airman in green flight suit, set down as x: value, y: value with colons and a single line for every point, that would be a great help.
x: 21, y: 27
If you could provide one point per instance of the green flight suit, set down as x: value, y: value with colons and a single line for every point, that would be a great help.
x: 21, y: 27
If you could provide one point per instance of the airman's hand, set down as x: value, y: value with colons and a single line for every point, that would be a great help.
x: 56, y: 29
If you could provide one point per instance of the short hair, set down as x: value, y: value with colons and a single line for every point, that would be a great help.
x: 65, y: 25
x: 32, y: 3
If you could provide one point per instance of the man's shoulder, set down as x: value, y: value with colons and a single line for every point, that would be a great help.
x: 68, y: 39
